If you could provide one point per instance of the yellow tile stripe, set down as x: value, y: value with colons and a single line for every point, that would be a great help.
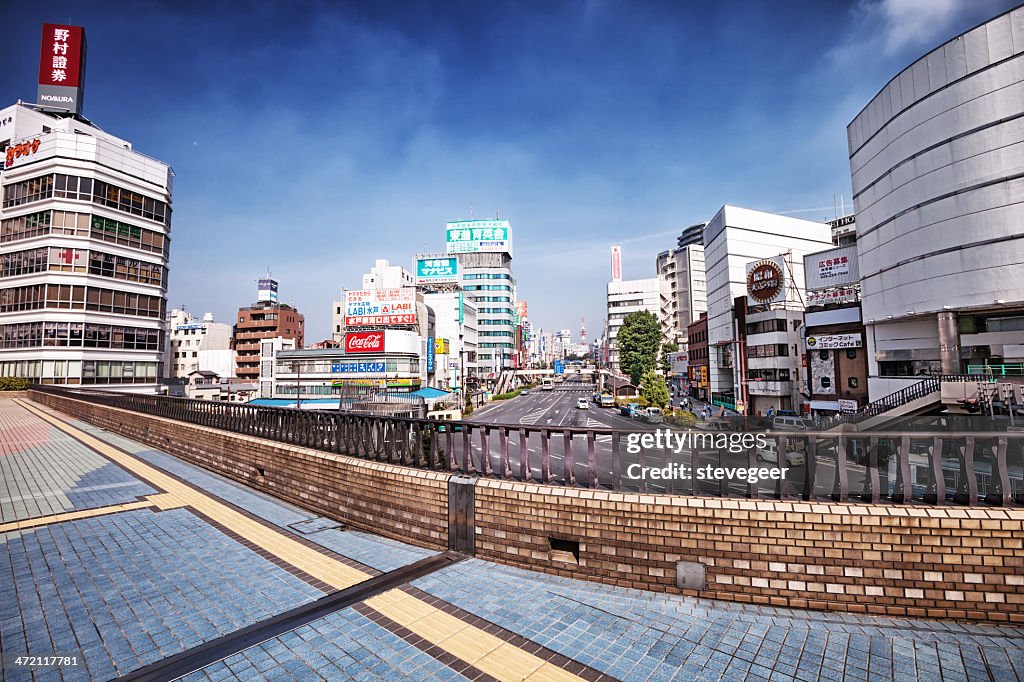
x: 467, y: 642
x: 71, y: 516
x: 484, y: 651
x: 311, y: 561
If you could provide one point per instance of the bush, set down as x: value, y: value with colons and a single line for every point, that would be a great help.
x: 507, y: 396
x: 468, y: 410
x: 684, y: 420
x: 13, y: 384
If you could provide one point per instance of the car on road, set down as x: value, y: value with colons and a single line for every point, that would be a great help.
x: 791, y: 424
x: 607, y: 400
x: 652, y: 415
x: 524, y: 392
x: 583, y: 404
x: 547, y: 384
x: 629, y: 410
x: 770, y: 453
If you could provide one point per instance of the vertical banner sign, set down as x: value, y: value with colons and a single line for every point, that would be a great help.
x: 62, y: 68
x: 430, y: 355
x: 616, y: 263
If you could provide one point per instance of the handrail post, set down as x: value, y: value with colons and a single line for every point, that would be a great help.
x: 568, y: 464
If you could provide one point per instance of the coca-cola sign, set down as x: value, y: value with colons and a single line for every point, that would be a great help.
x: 364, y: 342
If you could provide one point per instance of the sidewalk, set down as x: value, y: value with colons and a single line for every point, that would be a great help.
x: 121, y: 556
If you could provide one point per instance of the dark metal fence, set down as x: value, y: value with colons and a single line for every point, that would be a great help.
x: 929, y: 467
x: 893, y: 400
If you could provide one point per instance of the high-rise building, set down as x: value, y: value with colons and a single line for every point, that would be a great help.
x: 746, y: 252
x: 84, y: 239
x: 267, y: 318
x: 630, y: 296
x: 682, y: 269
x: 484, y: 250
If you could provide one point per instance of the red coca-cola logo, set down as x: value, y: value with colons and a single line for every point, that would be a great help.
x: 364, y: 342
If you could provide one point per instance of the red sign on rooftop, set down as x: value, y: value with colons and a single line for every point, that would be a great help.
x: 62, y: 67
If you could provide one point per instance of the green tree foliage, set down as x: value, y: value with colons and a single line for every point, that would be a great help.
x: 667, y: 348
x: 654, y: 389
x: 639, y: 340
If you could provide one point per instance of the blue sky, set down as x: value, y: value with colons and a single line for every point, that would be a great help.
x: 313, y: 138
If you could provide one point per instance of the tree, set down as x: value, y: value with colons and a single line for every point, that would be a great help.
x: 654, y: 389
x: 639, y: 339
x: 666, y: 348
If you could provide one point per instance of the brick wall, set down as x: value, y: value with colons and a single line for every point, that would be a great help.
x: 942, y: 562
x: 894, y: 560
x: 397, y: 502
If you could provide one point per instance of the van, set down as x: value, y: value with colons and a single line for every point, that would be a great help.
x: 770, y: 453
x: 607, y: 400
x: 790, y: 424
x: 446, y: 415
x: 652, y: 415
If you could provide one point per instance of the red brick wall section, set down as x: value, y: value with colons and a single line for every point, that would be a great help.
x: 397, y: 502
x: 908, y: 561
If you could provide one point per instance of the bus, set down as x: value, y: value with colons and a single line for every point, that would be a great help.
x: 547, y: 384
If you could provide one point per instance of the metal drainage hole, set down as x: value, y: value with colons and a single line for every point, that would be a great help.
x: 565, y: 550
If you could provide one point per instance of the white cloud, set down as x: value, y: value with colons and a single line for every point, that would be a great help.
x: 918, y: 23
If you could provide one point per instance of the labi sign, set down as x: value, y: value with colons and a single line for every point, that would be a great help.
x: 766, y: 281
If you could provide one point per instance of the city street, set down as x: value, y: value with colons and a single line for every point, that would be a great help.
x: 557, y: 408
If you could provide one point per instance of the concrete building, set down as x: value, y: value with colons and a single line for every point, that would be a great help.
x: 267, y: 318
x: 683, y: 270
x: 734, y: 240
x: 455, y: 340
x: 199, y: 346
x: 697, y: 357
x: 378, y: 359
x: 936, y: 160
x: 630, y: 296
x: 484, y: 250
x: 85, y: 227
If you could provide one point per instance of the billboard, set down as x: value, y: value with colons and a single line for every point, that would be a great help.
x: 831, y: 341
x: 62, y: 68
x: 616, y: 263
x: 437, y: 270
x: 474, y: 236
x: 441, y: 347
x: 358, y: 367
x: 396, y: 382
x: 832, y: 268
x: 266, y: 290
x: 364, y: 342
x: 384, y: 307
x: 827, y: 296
x: 559, y: 367
x: 430, y: 354
x: 766, y: 281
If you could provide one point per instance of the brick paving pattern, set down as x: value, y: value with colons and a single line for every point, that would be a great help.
x: 150, y: 574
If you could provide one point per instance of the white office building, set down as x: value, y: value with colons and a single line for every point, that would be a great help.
x: 455, y: 338
x: 199, y: 345
x: 484, y: 250
x: 734, y: 239
x: 937, y: 162
x: 682, y: 269
x: 630, y: 296
x: 84, y: 239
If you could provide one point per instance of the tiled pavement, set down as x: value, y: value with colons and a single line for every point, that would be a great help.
x: 137, y: 556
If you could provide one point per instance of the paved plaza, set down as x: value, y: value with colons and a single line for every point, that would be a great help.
x: 121, y: 560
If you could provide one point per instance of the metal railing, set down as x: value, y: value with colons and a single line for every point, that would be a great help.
x: 931, y: 467
x: 899, y: 398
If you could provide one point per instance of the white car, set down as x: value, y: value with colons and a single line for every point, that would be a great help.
x: 582, y: 404
x: 770, y: 453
